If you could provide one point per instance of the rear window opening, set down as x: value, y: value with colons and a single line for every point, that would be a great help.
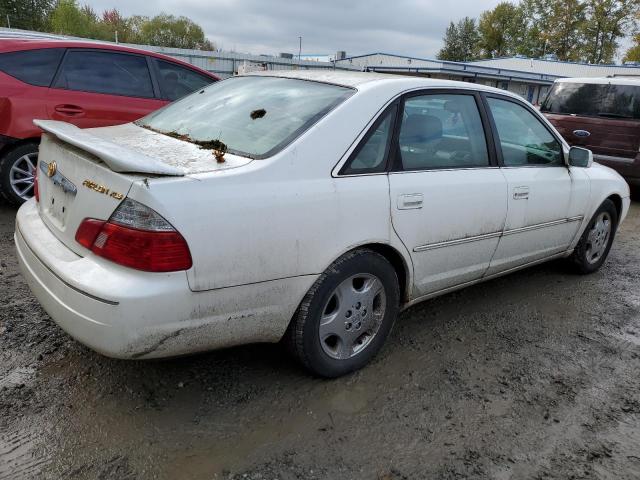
x: 252, y: 116
x: 605, y: 100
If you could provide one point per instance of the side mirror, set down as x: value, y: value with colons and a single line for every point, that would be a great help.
x: 580, y: 157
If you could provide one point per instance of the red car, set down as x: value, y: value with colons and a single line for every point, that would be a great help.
x: 85, y: 83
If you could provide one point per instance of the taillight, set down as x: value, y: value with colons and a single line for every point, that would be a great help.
x: 137, y: 237
x: 36, y: 190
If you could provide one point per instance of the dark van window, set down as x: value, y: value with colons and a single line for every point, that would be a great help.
x: 36, y: 67
x: 106, y: 72
x: 593, y: 99
x: 176, y: 81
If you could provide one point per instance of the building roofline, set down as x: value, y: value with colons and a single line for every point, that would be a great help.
x: 607, y: 65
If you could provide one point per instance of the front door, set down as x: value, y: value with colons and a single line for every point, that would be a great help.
x: 448, y: 198
x: 539, y: 183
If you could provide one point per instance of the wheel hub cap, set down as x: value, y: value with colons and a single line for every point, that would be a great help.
x: 352, y: 316
x: 598, y: 237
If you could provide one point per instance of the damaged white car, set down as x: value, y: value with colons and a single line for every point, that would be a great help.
x: 306, y: 206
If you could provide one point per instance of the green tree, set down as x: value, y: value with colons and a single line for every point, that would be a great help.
x: 68, y: 18
x: 502, y: 30
x: 460, y: 41
x: 607, y: 22
x: 170, y: 31
x: 560, y: 26
x: 25, y: 14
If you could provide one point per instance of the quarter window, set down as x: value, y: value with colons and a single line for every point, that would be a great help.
x: 35, y: 67
x: 523, y: 138
x: 370, y: 155
x: 176, y: 81
x: 106, y: 72
x: 442, y: 131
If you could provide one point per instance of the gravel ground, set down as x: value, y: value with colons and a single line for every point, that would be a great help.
x: 534, y: 375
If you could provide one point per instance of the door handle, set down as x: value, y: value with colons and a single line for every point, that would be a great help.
x: 69, y: 110
x: 521, y: 193
x: 410, y: 201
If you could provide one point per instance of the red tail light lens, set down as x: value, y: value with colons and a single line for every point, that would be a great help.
x: 88, y: 231
x: 156, y: 248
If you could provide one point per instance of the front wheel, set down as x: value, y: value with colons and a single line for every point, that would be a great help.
x: 595, y: 243
x: 17, y: 173
x: 347, y: 315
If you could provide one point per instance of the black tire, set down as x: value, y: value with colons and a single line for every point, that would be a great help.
x: 7, y: 161
x: 580, y: 257
x: 303, y: 336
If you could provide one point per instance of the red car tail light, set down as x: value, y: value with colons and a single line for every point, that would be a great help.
x: 137, y: 237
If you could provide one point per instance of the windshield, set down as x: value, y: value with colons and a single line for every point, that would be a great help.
x: 252, y: 116
x: 593, y: 99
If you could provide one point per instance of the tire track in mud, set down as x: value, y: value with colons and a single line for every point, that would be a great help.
x: 18, y: 459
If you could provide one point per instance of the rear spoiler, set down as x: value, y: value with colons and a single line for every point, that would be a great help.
x: 118, y: 158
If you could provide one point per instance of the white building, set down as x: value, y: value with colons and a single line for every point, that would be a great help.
x: 529, y: 78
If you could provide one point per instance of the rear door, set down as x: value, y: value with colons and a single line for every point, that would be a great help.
x: 448, y: 197
x: 96, y: 88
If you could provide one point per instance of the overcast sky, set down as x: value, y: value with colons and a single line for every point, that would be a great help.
x: 406, y: 27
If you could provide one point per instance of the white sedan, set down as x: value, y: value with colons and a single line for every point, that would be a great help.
x: 307, y: 206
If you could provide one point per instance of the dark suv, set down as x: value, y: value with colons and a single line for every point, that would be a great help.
x: 603, y: 115
x: 88, y: 84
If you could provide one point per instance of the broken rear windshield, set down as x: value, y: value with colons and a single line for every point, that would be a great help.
x: 253, y: 116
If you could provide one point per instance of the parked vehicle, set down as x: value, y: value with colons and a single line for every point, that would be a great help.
x: 88, y: 84
x: 602, y: 114
x: 341, y: 199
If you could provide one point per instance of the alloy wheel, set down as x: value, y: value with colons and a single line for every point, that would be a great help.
x: 22, y: 175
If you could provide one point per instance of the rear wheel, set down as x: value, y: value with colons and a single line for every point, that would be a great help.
x: 595, y: 243
x: 347, y: 315
x: 17, y: 173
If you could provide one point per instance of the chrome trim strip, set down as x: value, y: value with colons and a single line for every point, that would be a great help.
x: 542, y: 225
x: 460, y: 241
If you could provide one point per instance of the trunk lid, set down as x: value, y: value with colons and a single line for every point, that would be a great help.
x: 87, y: 173
x: 73, y: 185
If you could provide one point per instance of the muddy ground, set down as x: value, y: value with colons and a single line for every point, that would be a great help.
x: 534, y: 375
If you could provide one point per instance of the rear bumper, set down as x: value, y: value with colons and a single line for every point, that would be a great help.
x: 125, y: 313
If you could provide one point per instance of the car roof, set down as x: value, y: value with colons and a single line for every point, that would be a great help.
x: 364, y: 80
x: 602, y: 80
x: 17, y: 44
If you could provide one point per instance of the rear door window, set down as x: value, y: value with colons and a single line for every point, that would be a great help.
x: 35, y: 67
x: 176, y: 81
x: 442, y: 131
x: 105, y: 72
